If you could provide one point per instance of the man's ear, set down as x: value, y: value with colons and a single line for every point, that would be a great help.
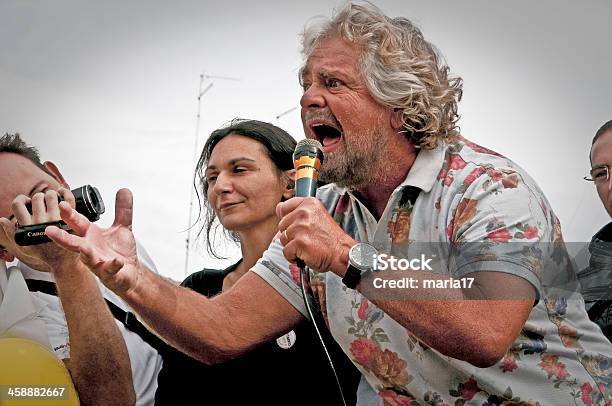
x: 396, y: 119
x: 5, y: 256
x: 289, y: 191
x: 54, y: 171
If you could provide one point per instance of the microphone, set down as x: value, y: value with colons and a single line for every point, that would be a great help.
x: 307, y: 159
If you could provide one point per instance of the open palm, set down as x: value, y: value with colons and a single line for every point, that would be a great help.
x: 109, y: 253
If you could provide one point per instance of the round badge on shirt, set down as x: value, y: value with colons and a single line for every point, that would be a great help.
x: 286, y: 341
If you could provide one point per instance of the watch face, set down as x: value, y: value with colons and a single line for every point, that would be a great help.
x: 363, y: 256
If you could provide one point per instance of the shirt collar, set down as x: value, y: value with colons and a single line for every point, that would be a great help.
x: 425, y: 168
x: 29, y: 273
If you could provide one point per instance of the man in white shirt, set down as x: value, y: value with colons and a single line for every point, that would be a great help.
x: 81, y: 329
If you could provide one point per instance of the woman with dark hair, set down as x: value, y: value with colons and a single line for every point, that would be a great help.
x: 244, y: 171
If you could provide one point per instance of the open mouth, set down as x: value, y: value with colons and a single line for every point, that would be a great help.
x: 326, y: 134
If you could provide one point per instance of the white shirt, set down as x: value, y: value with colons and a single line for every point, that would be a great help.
x: 19, y: 309
x: 144, y: 359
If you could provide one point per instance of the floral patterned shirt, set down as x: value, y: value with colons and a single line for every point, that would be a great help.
x: 468, y: 194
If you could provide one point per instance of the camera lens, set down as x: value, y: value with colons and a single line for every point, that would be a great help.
x: 88, y: 202
x: 96, y: 203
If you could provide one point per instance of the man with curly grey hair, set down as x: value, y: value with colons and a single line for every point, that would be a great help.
x: 397, y: 69
x: 460, y: 236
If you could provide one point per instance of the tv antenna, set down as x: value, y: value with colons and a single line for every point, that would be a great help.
x: 284, y: 113
x: 203, y: 89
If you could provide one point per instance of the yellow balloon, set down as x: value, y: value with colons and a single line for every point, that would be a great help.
x: 26, y: 364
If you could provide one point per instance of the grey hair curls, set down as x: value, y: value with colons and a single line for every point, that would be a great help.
x: 401, y: 69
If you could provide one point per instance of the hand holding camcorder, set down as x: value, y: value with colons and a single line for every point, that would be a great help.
x: 88, y: 202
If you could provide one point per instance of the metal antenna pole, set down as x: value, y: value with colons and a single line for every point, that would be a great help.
x: 284, y: 113
x: 222, y: 77
x: 194, y: 161
x: 201, y: 93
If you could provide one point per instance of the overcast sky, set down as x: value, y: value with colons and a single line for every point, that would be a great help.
x: 108, y: 91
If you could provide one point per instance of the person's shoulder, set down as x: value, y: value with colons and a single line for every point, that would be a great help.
x: 470, y: 166
x: 459, y: 143
x: 208, y: 281
x: 604, y: 234
x: 462, y: 154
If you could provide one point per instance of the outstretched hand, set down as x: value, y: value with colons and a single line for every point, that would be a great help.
x: 109, y: 253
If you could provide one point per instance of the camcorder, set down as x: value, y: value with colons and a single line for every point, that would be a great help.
x: 88, y: 202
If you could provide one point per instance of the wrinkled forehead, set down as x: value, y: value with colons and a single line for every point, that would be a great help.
x: 18, y: 176
x: 332, y: 53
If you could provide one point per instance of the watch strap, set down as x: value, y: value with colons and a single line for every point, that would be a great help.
x: 352, y: 277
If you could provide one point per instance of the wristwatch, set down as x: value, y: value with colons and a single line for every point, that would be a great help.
x: 362, y: 257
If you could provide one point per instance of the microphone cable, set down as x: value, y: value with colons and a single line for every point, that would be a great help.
x: 304, y: 277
